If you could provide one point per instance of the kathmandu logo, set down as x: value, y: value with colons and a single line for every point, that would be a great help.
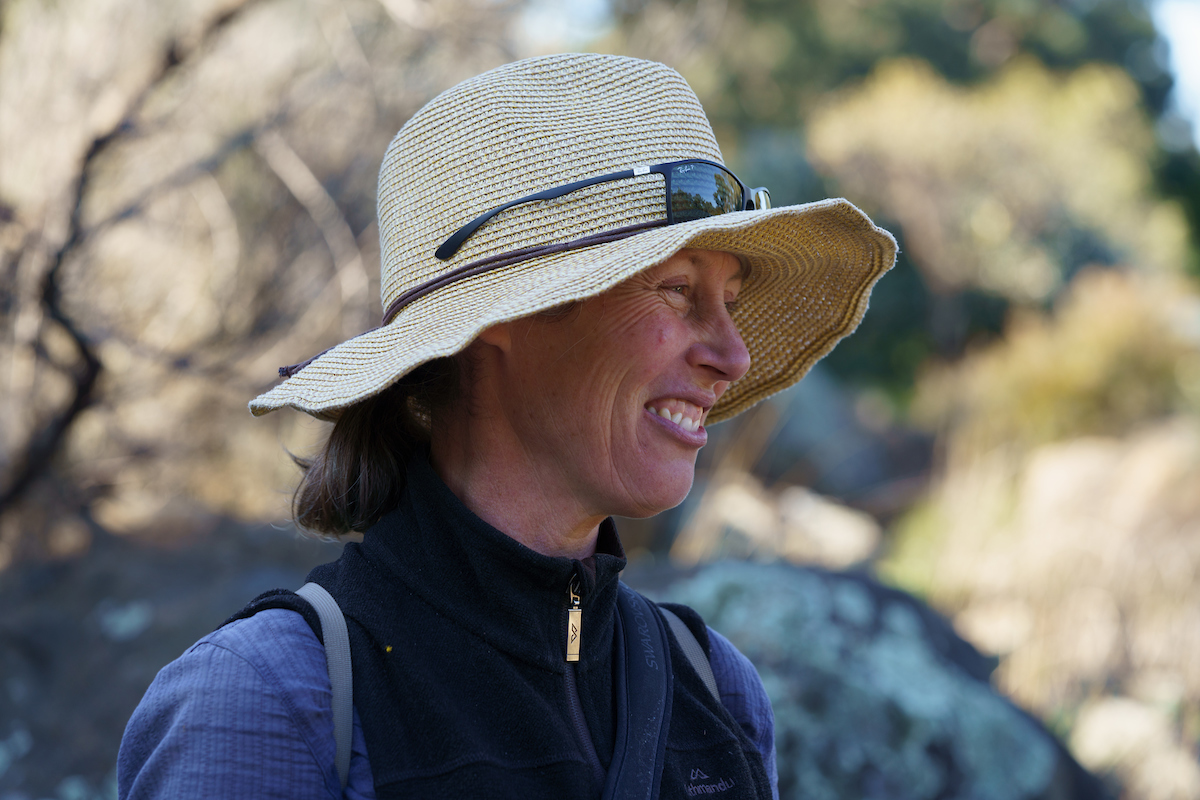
x: 696, y: 789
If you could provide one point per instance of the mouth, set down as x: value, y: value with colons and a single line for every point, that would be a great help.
x: 681, y: 413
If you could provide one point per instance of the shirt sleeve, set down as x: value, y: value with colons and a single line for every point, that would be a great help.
x: 743, y: 694
x: 244, y: 713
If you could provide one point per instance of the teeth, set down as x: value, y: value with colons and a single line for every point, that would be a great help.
x: 687, y: 423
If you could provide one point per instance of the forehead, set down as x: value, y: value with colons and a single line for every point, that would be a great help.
x: 716, y: 260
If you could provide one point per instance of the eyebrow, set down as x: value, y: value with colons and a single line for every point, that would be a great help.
x: 744, y: 269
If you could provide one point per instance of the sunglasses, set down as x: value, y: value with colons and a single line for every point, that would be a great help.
x: 695, y: 189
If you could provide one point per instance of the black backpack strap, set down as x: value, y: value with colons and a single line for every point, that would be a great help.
x: 341, y: 678
x: 286, y: 599
x: 642, y: 692
x: 692, y: 649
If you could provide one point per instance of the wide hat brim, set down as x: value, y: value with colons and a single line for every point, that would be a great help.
x: 812, y: 268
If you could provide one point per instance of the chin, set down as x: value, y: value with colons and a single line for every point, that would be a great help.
x: 660, y: 494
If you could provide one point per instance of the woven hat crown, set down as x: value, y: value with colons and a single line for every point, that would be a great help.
x: 522, y: 128
x: 542, y: 123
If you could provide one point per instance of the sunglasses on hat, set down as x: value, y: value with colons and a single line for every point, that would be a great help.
x: 695, y: 189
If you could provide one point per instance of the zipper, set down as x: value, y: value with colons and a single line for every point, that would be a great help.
x: 574, y: 705
x: 574, y: 620
x: 575, y: 710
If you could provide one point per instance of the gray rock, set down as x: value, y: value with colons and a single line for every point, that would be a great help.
x: 874, y: 694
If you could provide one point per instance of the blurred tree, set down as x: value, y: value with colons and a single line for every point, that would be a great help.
x: 1118, y: 352
x: 772, y: 60
x: 764, y: 67
x: 1062, y: 531
x: 188, y: 200
x: 1009, y: 186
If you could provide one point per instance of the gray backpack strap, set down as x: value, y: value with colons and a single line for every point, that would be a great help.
x: 337, y: 656
x: 692, y: 649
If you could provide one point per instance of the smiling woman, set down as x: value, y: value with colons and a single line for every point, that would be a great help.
x: 591, y: 289
x: 560, y: 410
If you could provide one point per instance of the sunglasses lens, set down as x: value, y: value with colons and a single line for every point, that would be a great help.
x: 701, y: 190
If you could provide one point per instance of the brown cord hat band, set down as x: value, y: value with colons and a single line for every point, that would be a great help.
x: 487, y: 265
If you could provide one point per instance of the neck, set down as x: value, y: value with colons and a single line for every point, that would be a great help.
x: 498, y: 480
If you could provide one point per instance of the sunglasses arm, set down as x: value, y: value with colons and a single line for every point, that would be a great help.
x: 451, y: 245
x: 758, y: 199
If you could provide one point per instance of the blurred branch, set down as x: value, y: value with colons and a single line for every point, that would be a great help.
x: 182, y: 177
x: 41, y: 447
x: 416, y: 14
x: 317, y: 315
x: 349, y: 271
x: 350, y: 274
x: 223, y: 230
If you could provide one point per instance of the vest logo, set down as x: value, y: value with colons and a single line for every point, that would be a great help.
x: 696, y: 789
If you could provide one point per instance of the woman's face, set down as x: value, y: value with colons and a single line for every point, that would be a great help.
x: 610, y: 399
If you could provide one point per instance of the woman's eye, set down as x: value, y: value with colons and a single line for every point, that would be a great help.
x: 731, y: 306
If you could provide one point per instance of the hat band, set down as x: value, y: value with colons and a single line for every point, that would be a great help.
x: 487, y: 265
x: 508, y: 259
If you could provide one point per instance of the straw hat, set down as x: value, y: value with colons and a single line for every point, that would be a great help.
x: 543, y: 122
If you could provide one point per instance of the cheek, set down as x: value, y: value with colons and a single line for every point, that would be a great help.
x: 641, y: 355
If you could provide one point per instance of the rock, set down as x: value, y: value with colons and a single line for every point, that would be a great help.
x: 1136, y: 740
x: 875, y: 695
x: 1076, y: 564
x: 81, y: 639
x: 739, y: 518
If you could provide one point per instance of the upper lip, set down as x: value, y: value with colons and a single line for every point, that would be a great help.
x: 706, y: 400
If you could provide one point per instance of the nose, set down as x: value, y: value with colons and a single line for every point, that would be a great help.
x: 720, y: 350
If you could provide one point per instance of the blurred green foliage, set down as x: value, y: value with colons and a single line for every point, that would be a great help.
x: 765, y: 70
x: 1009, y: 186
x: 1119, y: 351
x: 779, y: 57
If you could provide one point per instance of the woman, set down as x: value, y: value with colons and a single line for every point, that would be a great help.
x: 574, y: 289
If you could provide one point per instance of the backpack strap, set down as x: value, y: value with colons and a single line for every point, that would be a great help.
x: 643, y: 687
x: 341, y: 678
x: 642, y: 694
x: 692, y: 649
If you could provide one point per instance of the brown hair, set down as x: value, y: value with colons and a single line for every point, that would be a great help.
x: 359, y: 474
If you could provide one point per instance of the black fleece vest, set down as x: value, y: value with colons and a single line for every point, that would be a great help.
x: 458, y: 637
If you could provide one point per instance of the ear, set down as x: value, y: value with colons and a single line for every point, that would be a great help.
x: 498, y: 336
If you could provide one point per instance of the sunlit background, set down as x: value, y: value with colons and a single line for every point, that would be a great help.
x: 1012, y: 438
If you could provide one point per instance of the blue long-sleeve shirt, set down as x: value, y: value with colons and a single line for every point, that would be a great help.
x: 245, y: 713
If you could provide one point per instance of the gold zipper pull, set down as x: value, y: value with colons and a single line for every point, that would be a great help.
x: 574, y: 620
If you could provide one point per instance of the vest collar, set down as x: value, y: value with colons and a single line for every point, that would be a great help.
x: 508, y: 595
